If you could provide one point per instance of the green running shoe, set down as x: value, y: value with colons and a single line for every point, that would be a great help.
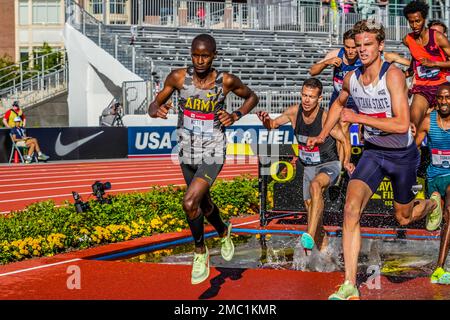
x: 346, y: 291
x: 434, y: 218
x: 307, y: 241
x: 200, y: 267
x: 440, y: 276
x: 227, y: 249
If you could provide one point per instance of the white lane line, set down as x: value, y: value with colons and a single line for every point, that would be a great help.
x: 31, y: 168
x: 38, y: 267
x: 109, y: 171
x: 49, y: 197
x: 144, y: 175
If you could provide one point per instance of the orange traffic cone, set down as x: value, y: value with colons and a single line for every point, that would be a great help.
x: 16, y: 156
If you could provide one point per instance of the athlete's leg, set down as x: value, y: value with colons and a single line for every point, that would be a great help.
x: 358, y: 195
x: 212, y: 214
x: 445, y: 233
x: 419, y: 107
x: 196, y: 191
x: 413, y: 211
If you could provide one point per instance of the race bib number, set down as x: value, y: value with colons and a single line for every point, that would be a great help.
x: 427, y: 72
x: 374, y: 131
x: 199, y: 123
x: 309, y: 156
x: 440, y: 158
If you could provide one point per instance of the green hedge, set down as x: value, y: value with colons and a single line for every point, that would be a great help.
x: 44, y: 229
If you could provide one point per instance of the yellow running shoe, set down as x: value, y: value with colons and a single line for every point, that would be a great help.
x: 434, y: 218
x: 440, y: 276
x: 200, y: 267
x: 346, y: 291
x: 227, y: 249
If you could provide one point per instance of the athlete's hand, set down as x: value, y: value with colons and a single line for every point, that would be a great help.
x: 427, y: 62
x: 313, y: 141
x: 334, y: 62
x: 163, y: 110
x: 350, y: 167
x: 225, y: 118
x: 265, y: 119
x: 348, y: 115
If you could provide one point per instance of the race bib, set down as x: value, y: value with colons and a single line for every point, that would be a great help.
x: 427, y: 72
x: 198, y: 123
x: 309, y: 156
x: 440, y: 158
x: 374, y: 131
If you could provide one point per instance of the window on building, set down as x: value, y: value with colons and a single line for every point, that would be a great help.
x: 24, y: 56
x: 117, y: 6
x: 96, y: 6
x: 46, y: 11
x: 23, y: 12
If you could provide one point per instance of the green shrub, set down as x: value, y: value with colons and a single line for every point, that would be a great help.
x: 43, y: 229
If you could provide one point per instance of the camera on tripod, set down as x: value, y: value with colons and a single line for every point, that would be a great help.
x: 98, y: 190
x: 80, y: 206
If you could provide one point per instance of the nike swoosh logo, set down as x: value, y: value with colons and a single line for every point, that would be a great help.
x: 209, y: 95
x: 62, y: 150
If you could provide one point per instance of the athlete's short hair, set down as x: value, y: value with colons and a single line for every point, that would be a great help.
x: 313, y: 83
x: 416, y: 6
x: 349, y: 34
x: 207, y: 39
x: 437, y: 23
x: 370, y: 26
x: 443, y: 86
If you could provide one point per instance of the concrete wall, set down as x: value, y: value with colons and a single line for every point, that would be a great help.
x: 51, y: 113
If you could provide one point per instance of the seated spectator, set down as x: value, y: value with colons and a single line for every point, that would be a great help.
x: 11, y: 114
x: 22, y: 140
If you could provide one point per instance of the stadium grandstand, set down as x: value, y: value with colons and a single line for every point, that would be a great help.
x: 270, y: 45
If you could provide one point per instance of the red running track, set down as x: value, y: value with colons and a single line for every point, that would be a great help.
x: 21, y: 185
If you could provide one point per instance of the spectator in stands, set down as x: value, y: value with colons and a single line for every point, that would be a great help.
x: 325, y: 8
x: 383, y: 5
x: 430, y: 61
x: 12, y: 114
x: 22, y: 140
x: 322, y: 165
x: 201, y: 14
x: 202, y: 92
x: 436, y: 126
x: 366, y: 8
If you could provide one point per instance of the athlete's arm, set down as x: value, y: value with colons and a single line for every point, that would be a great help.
x: 330, y: 59
x: 288, y: 115
x: 423, y: 130
x: 338, y: 133
x: 333, y: 114
x: 399, y: 123
x: 444, y: 44
x: 158, y: 108
x: 233, y: 84
x: 395, y: 57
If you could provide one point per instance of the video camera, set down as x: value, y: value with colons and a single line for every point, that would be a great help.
x: 98, y: 190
